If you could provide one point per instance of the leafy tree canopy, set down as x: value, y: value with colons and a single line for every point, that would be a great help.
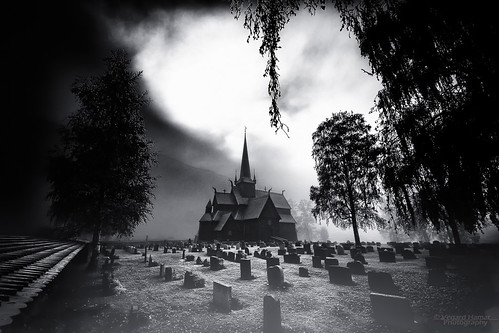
x: 100, y: 175
x: 345, y: 156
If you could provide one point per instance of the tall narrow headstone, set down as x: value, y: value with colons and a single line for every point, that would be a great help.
x: 245, y: 266
x: 271, y: 315
x: 161, y: 269
x: 169, y: 273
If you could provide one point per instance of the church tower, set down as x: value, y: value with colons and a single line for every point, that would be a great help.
x: 245, y: 184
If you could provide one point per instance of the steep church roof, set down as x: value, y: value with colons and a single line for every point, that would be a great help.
x: 277, y: 198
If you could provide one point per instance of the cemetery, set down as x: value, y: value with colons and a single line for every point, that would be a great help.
x: 148, y: 288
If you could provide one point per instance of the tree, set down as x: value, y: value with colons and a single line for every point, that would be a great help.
x: 345, y: 155
x: 438, y: 119
x: 306, y: 226
x: 100, y: 180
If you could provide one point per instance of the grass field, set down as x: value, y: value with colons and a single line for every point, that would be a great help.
x: 309, y: 304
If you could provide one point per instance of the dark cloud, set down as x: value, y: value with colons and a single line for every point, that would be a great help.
x: 46, y: 45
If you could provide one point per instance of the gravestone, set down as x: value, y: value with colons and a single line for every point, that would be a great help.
x: 408, y: 254
x: 381, y: 282
x: 320, y: 252
x: 281, y: 252
x: 206, y: 263
x: 330, y: 262
x: 240, y: 255
x: 437, y: 277
x: 192, y: 280
x: 169, y: 274
x: 231, y: 256
x: 174, y: 250
x: 340, y: 275
x: 165, y: 249
x: 152, y: 263
x: 183, y: 254
x: 161, y: 269
x: 369, y: 248
x: 316, y: 262
x: 245, y: 267
x: 386, y: 256
x: 392, y: 310
x: 340, y: 250
x: 271, y: 315
x: 199, y: 261
x: 275, y: 276
x: 356, y: 267
x: 303, y: 272
x: 216, y: 263
x: 274, y: 261
x: 222, y: 296
x: 189, y: 257
x: 247, y: 251
x: 399, y: 248
x: 306, y: 247
x: 156, y: 247
x: 360, y: 257
x: 330, y: 251
x: 292, y: 258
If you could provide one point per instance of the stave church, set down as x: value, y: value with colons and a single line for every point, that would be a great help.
x: 247, y: 213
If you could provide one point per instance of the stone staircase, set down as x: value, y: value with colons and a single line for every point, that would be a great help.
x: 27, y: 266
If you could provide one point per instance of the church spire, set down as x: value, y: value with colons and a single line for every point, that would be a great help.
x: 245, y: 167
x: 245, y: 184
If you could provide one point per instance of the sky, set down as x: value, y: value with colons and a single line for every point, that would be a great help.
x: 206, y: 85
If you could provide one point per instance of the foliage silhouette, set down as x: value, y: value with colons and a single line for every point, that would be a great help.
x: 345, y: 156
x: 437, y: 63
x: 100, y: 174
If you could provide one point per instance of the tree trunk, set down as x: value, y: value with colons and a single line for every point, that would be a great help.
x: 355, y: 231
x: 94, y: 245
x: 455, y: 230
x: 353, y: 211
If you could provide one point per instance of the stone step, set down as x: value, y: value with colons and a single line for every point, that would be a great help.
x: 23, y: 278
